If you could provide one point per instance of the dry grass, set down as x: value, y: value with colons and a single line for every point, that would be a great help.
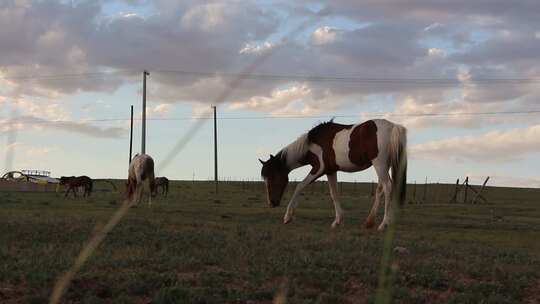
x: 188, y: 249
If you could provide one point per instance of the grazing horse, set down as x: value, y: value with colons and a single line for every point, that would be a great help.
x: 141, y: 168
x: 162, y: 182
x: 74, y: 182
x: 331, y: 147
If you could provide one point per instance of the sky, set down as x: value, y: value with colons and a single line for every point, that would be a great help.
x: 70, y: 70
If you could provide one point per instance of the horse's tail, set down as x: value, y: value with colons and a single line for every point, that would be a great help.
x: 398, y: 162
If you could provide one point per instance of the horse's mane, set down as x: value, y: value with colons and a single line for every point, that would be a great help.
x: 315, y: 131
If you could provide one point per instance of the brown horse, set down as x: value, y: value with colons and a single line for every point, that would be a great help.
x: 162, y: 182
x: 141, y: 168
x: 331, y: 147
x: 74, y: 182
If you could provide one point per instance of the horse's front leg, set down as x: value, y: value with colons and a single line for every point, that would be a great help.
x: 293, y: 203
x: 332, y: 183
x: 72, y: 189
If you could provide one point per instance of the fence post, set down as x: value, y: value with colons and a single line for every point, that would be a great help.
x: 466, y: 188
x: 456, y: 190
x: 425, y: 191
x: 414, y: 193
x: 437, y: 190
x: 480, y: 191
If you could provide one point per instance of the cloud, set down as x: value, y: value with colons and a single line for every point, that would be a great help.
x: 324, y: 35
x: 206, y: 16
x: 257, y: 49
x: 159, y: 109
x: 515, y: 181
x: 492, y: 147
x: 297, y: 99
x: 377, y: 39
x: 428, y: 110
x: 36, y: 123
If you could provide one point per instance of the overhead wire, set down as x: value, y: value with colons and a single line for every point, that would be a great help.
x: 266, y: 117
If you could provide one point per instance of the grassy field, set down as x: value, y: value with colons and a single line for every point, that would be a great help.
x: 195, y: 248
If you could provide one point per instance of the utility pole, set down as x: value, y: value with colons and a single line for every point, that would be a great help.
x: 215, y: 150
x: 131, y: 136
x: 143, y: 140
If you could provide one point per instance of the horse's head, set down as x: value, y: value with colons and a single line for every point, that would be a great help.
x: 276, y: 178
x: 65, y: 179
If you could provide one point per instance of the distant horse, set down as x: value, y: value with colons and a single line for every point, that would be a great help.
x: 331, y: 147
x: 74, y: 182
x: 162, y: 182
x: 141, y: 168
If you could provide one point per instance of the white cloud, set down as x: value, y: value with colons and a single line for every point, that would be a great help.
x: 436, y: 52
x: 257, y: 48
x: 296, y: 99
x: 515, y: 181
x: 160, y: 109
x: 426, y: 112
x: 207, y: 16
x: 38, y: 123
x: 433, y: 26
x: 495, y: 146
x: 26, y: 150
x: 324, y: 35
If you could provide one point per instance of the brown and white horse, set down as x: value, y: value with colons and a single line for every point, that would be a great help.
x: 141, y: 168
x: 331, y: 147
x: 74, y: 182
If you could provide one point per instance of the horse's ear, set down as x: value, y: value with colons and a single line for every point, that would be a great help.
x: 271, y: 156
x: 262, y: 161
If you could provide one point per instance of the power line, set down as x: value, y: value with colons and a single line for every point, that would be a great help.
x: 65, y: 76
x: 289, y: 77
x: 345, y: 79
x: 265, y: 117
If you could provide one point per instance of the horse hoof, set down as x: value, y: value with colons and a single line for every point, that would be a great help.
x: 335, y: 224
x: 382, y: 227
x: 287, y: 220
x: 369, y: 225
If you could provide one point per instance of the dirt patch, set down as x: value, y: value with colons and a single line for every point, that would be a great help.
x: 533, y: 293
x: 357, y: 292
x: 15, y: 293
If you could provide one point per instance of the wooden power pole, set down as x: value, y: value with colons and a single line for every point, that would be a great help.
x: 131, y: 136
x: 143, y: 131
x: 215, y: 150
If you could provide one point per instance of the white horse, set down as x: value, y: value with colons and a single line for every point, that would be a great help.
x: 141, y: 168
x: 332, y: 147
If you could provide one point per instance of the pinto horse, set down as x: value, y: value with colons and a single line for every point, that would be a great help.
x: 141, y: 168
x: 331, y: 147
x: 162, y: 182
x: 74, y: 182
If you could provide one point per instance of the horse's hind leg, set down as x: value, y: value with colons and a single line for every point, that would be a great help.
x: 370, y: 221
x: 139, y: 193
x: 386, y: 182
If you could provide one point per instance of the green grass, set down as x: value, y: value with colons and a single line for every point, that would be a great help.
x: 195, y: 248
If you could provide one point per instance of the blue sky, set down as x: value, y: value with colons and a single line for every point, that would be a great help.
x: 58, y: 127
